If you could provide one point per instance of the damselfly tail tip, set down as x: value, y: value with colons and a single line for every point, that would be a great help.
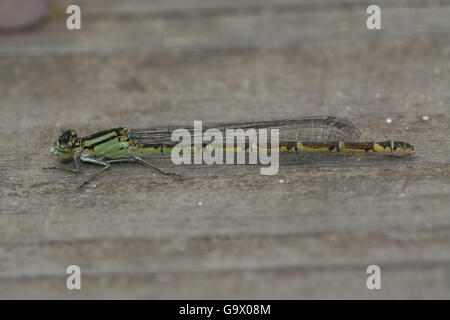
x: 403, y: 148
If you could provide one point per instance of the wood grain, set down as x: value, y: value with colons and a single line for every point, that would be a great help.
x: 139, y: 235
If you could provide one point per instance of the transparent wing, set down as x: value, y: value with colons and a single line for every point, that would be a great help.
x: 316, y: 129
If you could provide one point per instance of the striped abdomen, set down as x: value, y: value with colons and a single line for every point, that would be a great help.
x: 385, y: 147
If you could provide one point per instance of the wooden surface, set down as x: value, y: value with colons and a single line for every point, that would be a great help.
x: 143, y: 63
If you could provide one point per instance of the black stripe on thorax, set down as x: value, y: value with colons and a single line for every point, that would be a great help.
x: 101, y: 133
x: 100, y: 142
x: 103, y: 141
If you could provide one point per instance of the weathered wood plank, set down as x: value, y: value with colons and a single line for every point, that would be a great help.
x: 399, y: 281
x: 285, y: 29
x: 110, y: 8
x: 140, y: 235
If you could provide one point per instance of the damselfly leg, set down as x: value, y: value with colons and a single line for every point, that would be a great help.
x: 107, y: 164
x: 157, y: 169
x: 77, y: 168
x: 97, y: 162
x: 137, y: 159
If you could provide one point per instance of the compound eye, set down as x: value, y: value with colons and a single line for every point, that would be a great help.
x: 65, y: 137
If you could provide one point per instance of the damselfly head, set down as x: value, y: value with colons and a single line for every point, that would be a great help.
x: 65, y: 144
x: 68, y: 137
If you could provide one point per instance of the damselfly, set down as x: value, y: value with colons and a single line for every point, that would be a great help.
x: 307, y: 134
